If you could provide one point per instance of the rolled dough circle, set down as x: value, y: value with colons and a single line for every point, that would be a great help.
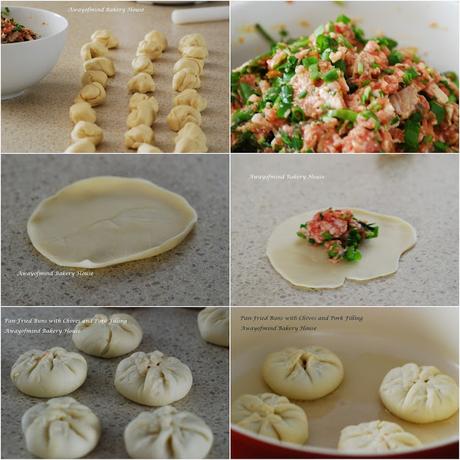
x: 106, y: 220
x: 308, y: 266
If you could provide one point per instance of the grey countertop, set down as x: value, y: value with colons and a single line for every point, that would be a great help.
x: 44, y: 108
x: 421, y: 189
x: 195, y: 273
x: 171, y: 330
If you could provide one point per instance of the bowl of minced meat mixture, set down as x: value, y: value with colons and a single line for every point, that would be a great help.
x: 337, y: 90
x: 32, y: 41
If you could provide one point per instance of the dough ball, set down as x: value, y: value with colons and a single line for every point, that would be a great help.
x: 82, y: 146
x: 107, y: 337
x: 106, y: 37
x: 48, y: 373
x: 157, y: 37
x: 168, y: 433
x: 138, y: 135
x: 305, y: 373
x: 190, y: 64
x: 93, y: 49
x: 141, y: 83
x: 192, y: 98
x: 137, y: 98
x: 419, y: 394
x: 185, y: 79
x: 147, y: 148
x: 190, y: 139
x: 191, y: 40
x: 91, y: 76
x: 376, y: 437
x: 182, y: 114
x: 196, y: 52
x: 60, y: 428
x: 271, y: 415
x: 213, y: 325
x: 82, y: 111
x: 150, y: 49
x: 153, y: 379
x: 142, y: 63
x: 87, y: 130
x: 93, y: 93
x: 103, y: 64
x: 143, y: 114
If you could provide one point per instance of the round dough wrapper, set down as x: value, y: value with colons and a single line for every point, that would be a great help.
x: 49, y: 373
x: 307, y: 266
x: 60, y: 428
x: 419, y: 394
x: 213, y: 325
x: 271, y: 415
x: 153, y: 379
x: 376, y: 437
x: 107, y: 337
x: 107, y: 220
x: 168, y: 433
x: 306, y: 373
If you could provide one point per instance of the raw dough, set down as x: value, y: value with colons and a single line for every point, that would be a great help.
x: 141, y: 134
x: 106, y: 37
x: 271, y: 415
x: 150, y: 49
x: 141, y: 83
x: 153, y: 379
x: 190, y: 139
x: 87, y: 130
x: 195, y: 52
x: 103, y: 64
x: 143, y: 114
x: 213, y: 325
x: 142, y: 63
x: 376, y: 437
x: 60, y: 428
x: 82, y: 111
x: 104, y: 221
x: 137, y: 98
x: 107, y: 337
x: 306, y: 373
x: 191, y: 40
x: 147, y: 148
x: 168, y: 433
x: 81, y: 146
x: 192, y: 98
x: 308, y: 266
x: 93, y: 49
x: 184, y: 79
x: 91, y: 76
x: 188, y: 63
x: 180, y: 115
x: 419, y: 394
x: 157, y: 37
x: 93, y: 93
x: 48, y: 373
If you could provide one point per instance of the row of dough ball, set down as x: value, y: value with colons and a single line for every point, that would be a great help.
x: 143, y: 111
x: 419, y: 394
x: 64, y: 428
x: 86, y: 134
x: 188, y: 104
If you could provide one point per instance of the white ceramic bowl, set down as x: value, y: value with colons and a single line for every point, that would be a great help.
x: 24, y: 64
x: 430, y: 26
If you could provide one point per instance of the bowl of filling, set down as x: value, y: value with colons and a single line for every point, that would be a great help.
x: 349, y: 382
x: 32, y: 41
x: 344, y: 77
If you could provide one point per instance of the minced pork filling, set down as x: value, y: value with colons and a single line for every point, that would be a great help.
x: 337, y: 91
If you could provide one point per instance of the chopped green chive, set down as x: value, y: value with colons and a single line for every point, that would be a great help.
x: 438, y: 110
x: 332, y: 75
